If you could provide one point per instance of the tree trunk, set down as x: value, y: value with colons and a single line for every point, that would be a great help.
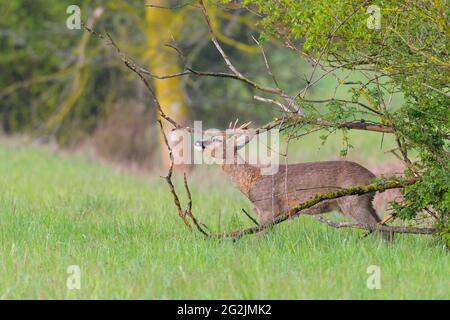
x: 162, y: 25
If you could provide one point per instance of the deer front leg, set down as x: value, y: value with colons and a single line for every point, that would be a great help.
x: 360, y: 208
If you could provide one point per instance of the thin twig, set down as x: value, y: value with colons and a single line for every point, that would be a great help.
x: 272, y: 101
x: 168, y: 179
x: 179, y: 6
x: 188, y: 211
x: 236, y: 72
x: 250, y: 217
x: 397, y: 229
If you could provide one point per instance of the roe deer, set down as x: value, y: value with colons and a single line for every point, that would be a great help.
x: 293, y: 184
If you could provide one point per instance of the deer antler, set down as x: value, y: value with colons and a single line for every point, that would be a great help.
x: 232, y: 126
x: 244, y: 126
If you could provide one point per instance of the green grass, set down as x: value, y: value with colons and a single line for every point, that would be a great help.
x: 122, y: 230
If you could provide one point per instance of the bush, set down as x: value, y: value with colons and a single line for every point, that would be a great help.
x: 407, y: 55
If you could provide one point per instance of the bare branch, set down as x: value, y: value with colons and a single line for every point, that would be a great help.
x: 168, y: 179
x: 397, y: 229
x: 199, y: 225
x: 236, y: 72
x: 272, y: 101
x: 334, y: 224
x: 250, y: 217
x: 266, y: 62
x: 355, y: 125
x: 180, y: 6
x: 285, y: 122
x: 329, y: 40
x: 437, y: 90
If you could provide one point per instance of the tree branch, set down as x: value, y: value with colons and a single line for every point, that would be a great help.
x: 380, y: 227
x: 168, y: 179
x: 355, y: 190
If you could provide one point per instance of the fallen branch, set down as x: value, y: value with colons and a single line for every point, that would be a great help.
x: 379, y: 227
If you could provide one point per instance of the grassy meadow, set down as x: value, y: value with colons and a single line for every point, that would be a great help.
x: 122, y: 229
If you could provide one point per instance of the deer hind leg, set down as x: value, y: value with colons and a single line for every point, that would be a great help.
x: 263, y: 217
x: 360, y: 208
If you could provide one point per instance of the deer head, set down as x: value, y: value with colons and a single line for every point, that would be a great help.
x: 223, y: 146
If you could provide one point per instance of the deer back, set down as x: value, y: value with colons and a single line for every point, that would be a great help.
x: 296, y: 183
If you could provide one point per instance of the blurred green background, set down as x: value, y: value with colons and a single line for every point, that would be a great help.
x: 68, y: 88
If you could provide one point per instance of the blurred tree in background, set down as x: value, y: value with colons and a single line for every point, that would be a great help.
x: 162, y: 25
x: 58, y: 82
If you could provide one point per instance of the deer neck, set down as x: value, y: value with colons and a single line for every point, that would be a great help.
x: 244, y: 175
